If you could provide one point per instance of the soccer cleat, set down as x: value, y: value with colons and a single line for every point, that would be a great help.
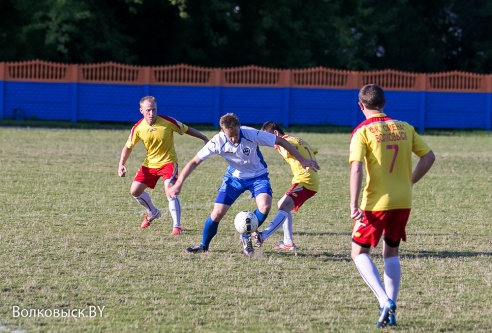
x: 282, y: 246
x: 177, y: 231
x: 385, y: 313
x: 196, y: 249
x: 248, y: 249
x: 258, y: 238
x: 148, y: 219
x: 241, y: 236
x: 392, y: 319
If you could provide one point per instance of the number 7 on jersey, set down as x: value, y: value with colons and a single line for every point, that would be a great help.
x: 395, y: 153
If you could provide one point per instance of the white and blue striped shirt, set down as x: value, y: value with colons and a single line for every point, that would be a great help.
x: 245, y: 160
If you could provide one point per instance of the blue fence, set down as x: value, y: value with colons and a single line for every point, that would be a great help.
x: 253, y: 105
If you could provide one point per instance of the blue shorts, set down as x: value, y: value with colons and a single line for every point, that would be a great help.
x: 233, y: 187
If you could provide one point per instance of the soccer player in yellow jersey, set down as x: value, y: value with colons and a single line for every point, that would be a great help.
x: 157, y: 134
x: 305, y: 184
x: 385, y: 146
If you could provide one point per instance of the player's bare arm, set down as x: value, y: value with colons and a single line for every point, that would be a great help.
x: 423, y: 165
x: 125, y: 154
x: 187, y: 170
x: 197, y: 134
x: 306, y: 163
x: 356, y: 174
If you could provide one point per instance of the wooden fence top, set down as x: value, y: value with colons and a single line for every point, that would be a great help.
x: 249, y: 76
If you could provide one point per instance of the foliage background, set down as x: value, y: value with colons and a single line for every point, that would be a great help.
x: 407, y: 35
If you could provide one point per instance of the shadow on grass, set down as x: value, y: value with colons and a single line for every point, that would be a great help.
x: 345, y: 257
x: 403, y: 252
x: 324, y: 256
x: 304, y: 233
x: 327, y: 256
x: 443, y: 254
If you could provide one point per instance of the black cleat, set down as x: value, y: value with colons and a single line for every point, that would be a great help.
x: 196, y: 249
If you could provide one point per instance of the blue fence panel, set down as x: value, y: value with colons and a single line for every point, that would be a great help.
x: 403, y: 105
x: 46, y: 101
x: 456, y: 110
x: 321, y: 107
x: 2, y: 99
x: 253, y: 105
x: 109, y: 102
x: 186, y: 104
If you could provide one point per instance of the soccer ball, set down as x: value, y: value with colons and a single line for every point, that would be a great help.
x: 246, y: 222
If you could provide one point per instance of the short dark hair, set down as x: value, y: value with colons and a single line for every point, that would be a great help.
x: 271, y: 126
x: 372, y: 96
x: 228, y: 121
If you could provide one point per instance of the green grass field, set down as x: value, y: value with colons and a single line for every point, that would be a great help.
x: 70, y: 244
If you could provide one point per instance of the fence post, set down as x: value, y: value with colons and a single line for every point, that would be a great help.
x: 74, y: 82
x: 287, y: 87
x: 2, y: 90
x: 356, y: 83
x: 421, y: 86
x: 146, y: 81
x: 217, y: 96
x: 488, y: 102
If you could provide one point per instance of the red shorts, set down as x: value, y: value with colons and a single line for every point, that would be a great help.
x: 150, y: 176
x: 299, y: 194
x: 391, y: 223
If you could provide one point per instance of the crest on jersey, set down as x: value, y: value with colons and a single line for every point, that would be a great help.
x: 246, y: 151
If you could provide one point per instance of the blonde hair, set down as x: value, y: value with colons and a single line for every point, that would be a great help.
x: 148, y: 98
x: 228, y: 121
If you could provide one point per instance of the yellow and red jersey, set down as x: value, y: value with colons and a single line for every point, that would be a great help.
x: 158, y: 140
x: 309, y: 179
x: 386, y: 146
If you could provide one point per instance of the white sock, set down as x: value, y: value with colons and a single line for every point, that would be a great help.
x: 288, y: 237
x: 276, y: 223
x: 371, y: 277
x: 392, y: 277
x: 175, y: 210
x: 146, y: 202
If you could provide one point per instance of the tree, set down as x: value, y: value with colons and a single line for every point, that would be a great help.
x: 67, y: 31
x: 469, y: 46
x: 274, y: 33
x: 408, y: 35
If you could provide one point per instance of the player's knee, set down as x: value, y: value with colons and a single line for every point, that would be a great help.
x: 358, y: 248
x: 217, y: 215
x: 286, y: 207
x: 286, y: 204
x: 136, y: 189
x: 135, y: 193
x: 264, y: 206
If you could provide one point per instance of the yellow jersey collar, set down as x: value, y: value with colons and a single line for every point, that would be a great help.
x: 378, y: 115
